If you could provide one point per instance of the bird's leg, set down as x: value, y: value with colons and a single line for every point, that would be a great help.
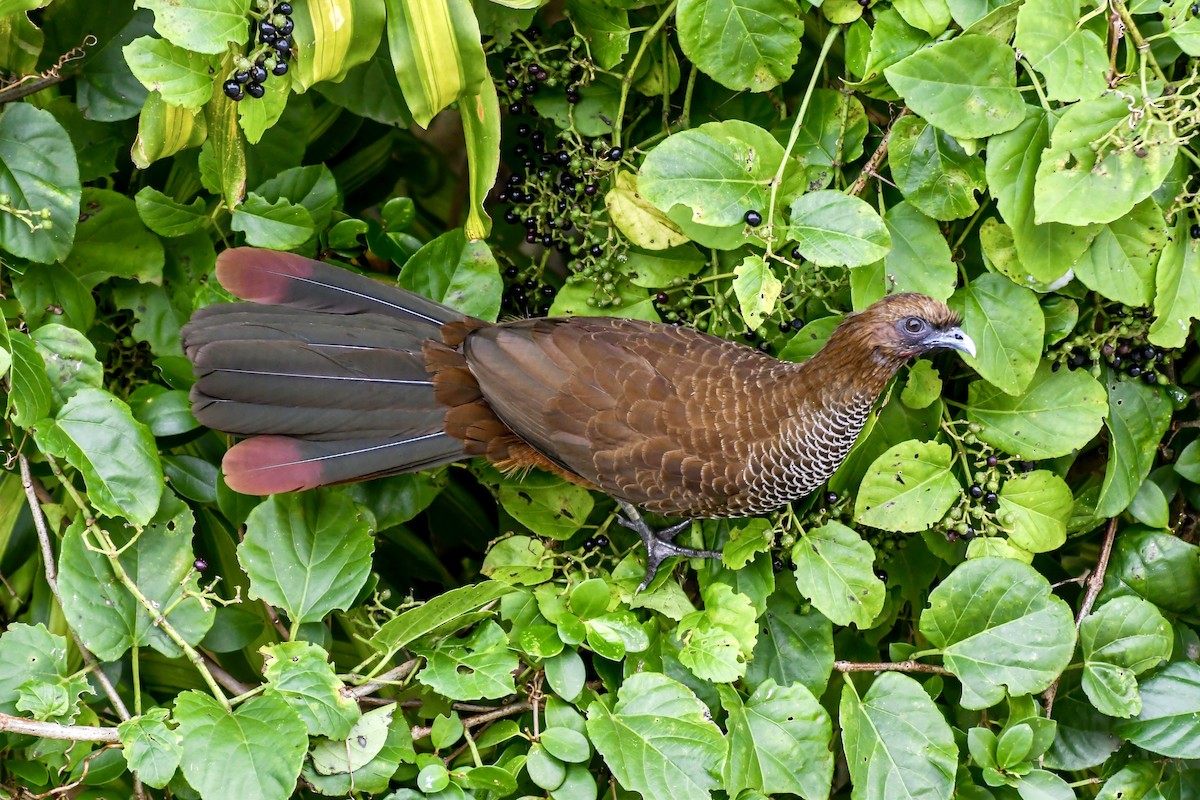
x: 660, y: 545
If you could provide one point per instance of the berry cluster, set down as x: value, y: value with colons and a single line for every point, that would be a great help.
x: 977, y: 511
x: 598, y: 543
x: 270, y: 56
x: 1123, y: 347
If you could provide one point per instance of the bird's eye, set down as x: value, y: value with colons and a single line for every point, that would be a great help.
x: 915, y: 325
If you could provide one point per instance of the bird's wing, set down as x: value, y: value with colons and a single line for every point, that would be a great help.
x: 642, y: 411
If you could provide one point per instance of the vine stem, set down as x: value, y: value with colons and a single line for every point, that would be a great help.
x: 110, y: 551
x: 795, y: 134
x: 43, y: 534
x: 889, y: 666
x: 1141, y: 44
x: 627, y: 78
x: 870, y: 169
x: 1095, y: 582
x: 52, y: 730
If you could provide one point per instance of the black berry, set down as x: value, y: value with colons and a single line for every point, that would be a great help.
x: 602, y: 541
x: 753, y: 218
x: 990, y: 499
x: 258, y: 74
x: 614, y: 154
x: 992, y: 461
x: 241, y: 76
x: 283, y: 8
x: 200, y: 564
x: 233, y: 90
x: 255, y: 90
x: 975, y: 491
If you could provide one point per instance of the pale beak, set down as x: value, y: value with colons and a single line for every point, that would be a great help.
x: 954, y: 339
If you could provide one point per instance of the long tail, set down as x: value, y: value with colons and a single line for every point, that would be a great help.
x: 323, y: 369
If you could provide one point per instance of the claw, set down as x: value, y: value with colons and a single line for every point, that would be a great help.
x: 660, y: 545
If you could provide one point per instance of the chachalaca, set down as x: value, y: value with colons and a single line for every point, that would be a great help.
x: 338, y: 377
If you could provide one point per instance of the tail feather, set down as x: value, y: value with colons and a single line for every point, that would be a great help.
x: 286, y: 279
x: 323, y: 369
x: 276, y: 464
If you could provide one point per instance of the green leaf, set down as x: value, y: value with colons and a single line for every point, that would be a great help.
x: 834, y: 571
x: 834, y: 229
x: 566, y: 674
x: 1157, y: 566
x: 546, y: 504
x: 1046, y: 250
x: 719, y: 171
x: 29, y: 654
x: 1121, y: 260
x: 1120, y: 640
x: 643, y: 225
x: 411, y: 625
x: 546, y: 771
x: 1006, y: 323
x: 658, y: 739
x: 615, y: 634
x: 746, y: 540
x: 605, y: 28
x: 301, y: 674
x: 70, y: 361
x: 182, y: 77
x: 166, y: 217
x: 253, y: 753
x: 770, y: 734
x: 461, y: 274
x: 1169, y: 722
x: 520, y: 560
x: 834, y: 128
x: 281, y: 225
x: 718, y: 640
x: 1070, y: 56
x: 333, y: 37
x: 306, y: 553
x: 111, y: 241
x: 1139, y: 780
x: 741, y: 44
x: 795, y: 647
x: 908, y: 488
x: 31, y: 394
x: 1177, y: 288
x: 1035, y: 508
x: 116, y: 455
x: 1079, y: 182
x: 566, y: 744
x: 151, y: 749
x: 164, y: 130
x: 106, y: 615
x: 923, y: 386
x: 436, y: 54
x: 205, y: 26
x: 591, y: 598
x: 933, y: 171
x: 51, y: 293
x: 1138, y: 416
x: 480, y: 115
x: 479, y: 667
x: 966, y: 86
x: 313, y: 187
x: 1059, y: 412
x: 896, y: 740
x: 38, y: 170
x: 757, y: 290
x: 353, y: 751
x: 919, y: 260
x: 931, y: 16
x: 999, y: 627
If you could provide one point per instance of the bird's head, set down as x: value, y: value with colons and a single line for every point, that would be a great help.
x: 901, y: 326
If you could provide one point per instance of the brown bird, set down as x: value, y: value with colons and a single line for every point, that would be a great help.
x: 337, y: 377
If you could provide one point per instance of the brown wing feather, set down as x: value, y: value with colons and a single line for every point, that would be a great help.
x: 662, y: 417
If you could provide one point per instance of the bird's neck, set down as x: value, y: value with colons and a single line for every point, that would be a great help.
x: 848, y: 370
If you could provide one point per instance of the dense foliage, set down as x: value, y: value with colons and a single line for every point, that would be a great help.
x: 997, y: 595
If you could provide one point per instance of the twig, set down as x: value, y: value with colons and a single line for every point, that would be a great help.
x: 110, y: 551
x: 889, y: 666
x: 43, y: 534
x: 31, y: 84
x: 231, y: 684
x: 52, y: 730
x: 391, y: 676
x: 871, y: 167
x: 1095, y: 582
x: 512, y: 710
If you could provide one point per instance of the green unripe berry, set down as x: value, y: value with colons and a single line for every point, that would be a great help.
x: 5, y: 199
